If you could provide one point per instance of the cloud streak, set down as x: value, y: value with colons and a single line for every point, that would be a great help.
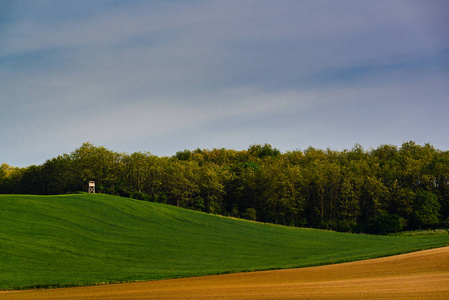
x: 164, y: 76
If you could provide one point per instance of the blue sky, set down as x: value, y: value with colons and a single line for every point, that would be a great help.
x: 164, y: 76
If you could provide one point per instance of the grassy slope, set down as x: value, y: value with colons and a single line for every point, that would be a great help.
x: 86, y: 239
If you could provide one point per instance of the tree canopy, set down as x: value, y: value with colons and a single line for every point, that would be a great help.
x: 377, y: 190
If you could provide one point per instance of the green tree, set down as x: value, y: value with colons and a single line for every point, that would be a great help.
x: 261, y: 151
x: 241, y: 189
x: 439, y: 168
x: 349, y: 208
x: 386, y: 223
x: 183, y: 155
x: 31, y: 180
x: 96, y: 163
x: 425, y: 209
x: 181, y: 182
x: 211, y: 185
x: 58, y: 176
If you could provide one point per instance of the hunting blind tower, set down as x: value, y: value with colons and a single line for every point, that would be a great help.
x: 91, y: 187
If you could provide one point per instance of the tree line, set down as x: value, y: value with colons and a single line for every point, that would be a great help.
x: 375, y: 191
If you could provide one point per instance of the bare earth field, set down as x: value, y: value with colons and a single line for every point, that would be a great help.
x: 419, y: 275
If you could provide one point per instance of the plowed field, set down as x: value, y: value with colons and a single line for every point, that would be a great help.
x: 419, y: 275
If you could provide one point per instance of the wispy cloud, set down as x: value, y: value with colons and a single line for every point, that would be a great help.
x: 163, y: 76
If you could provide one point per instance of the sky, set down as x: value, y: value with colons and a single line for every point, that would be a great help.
x: 164, y: 76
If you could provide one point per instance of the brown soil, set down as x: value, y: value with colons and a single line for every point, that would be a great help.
x: 419, y: 275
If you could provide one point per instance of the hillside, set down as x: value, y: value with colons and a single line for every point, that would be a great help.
x: 87, y: 239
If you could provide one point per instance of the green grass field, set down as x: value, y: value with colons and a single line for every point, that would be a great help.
x: 87, y: 239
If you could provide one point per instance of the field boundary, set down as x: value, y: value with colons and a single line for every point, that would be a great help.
x: 417, y: 275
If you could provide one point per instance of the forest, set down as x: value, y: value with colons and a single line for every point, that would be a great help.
x: 382, y: 190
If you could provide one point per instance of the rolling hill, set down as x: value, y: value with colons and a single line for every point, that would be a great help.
x: 70, y: 240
